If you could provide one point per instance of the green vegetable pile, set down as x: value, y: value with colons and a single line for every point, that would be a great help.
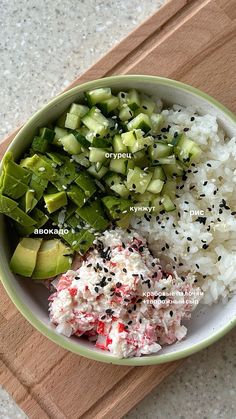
x: 101, y: 159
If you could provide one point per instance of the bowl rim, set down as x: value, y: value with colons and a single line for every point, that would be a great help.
x: 71, y: 345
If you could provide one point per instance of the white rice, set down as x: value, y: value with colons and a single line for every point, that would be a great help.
x: 216, y: 265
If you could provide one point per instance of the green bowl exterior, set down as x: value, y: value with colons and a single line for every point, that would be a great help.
x: 70, y: 345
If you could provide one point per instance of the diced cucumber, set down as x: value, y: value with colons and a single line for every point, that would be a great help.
x: 72, y: 121
x: 79, y: 110
x: 120, y: 189
x: 81, y: 139
x: 165, y: 160
x: 98, y: 175
x: 159, y: 173
x: 157, y: 121
x: 122, y: 96
x: 59, y: 133
x: 99, y: 142
x: 118, y: 166
x: 112, y: 179
x: 140, y: 159
x: 81, y: 159
x: 141, y: 142
x: 169, y: 188
x: 156, y: 202
x: 131, y: 164
x: 70, y: 144
x: 138, y: 180
x: 133, y: 99
x: 95, y: 121
x: 97, y: 155
x: 147, y: 106
x: 125, y: 113
x: 141, y: 121
x: 145, y: 197
x: 159, y: 149
x: 186, y: 149
x: 62, y: 119
x: 98, y: 95
x: 109, y: 105
x: 155, y: 186
x: 98, y: 166
x: 128, y: 138
x: 39, y: 145
x: 167, y: 203
x: 47, y: 134
x: 174, y: 170
x: 118, y: 145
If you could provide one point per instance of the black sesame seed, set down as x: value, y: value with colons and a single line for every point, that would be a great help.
x: 209, y: 164
x: 189, y: 239
x: 96, y: 289
x: 118, y: 284
x: 205, y: 246
x: 197, y: 265
x: 124, y: 270
x: 171, y: 313
x: 192, y: 118
x: 219, y: 257
x: 130, y: 322
x: 186, y: 129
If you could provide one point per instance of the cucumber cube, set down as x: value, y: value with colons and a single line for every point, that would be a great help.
x: 98, y: 95
x: 70, y: 144
x: 157, y: 121
x: 141, y: 121
x: 155, y: 186
x: 128, y: 138
x: 47, y: 134
x: 133, y: 99
x: 167, y: 203
x: 118, y: 166
x: 97, y: 155
x: 72, y: 121
x: 79, y: 110
x: 118, y: 145
x: 138, y: 180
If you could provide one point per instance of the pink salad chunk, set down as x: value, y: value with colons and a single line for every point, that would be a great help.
x: 122, y: 299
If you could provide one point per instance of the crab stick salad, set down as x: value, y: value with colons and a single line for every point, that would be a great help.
x: 122, y: 299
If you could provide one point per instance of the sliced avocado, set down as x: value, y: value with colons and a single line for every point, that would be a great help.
x: 77, y: 195
x: 55, y: 201
x: 55, y: 157
x: 80, y: 241
x: 85, y: 182
x: 23, y: 261
x: 66, y: 175
x: 40, y: 166
x: 92, y: 214
x: 7, y: 205
x: 13, y: 187
x: 53, y: 258
x: 18, y: 172
x: 40, y: 219
x: 27, y: 201
x: 117, y: 208
x: 38, y: 185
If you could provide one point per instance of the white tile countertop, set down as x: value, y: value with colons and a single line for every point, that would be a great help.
x: 44, y: 45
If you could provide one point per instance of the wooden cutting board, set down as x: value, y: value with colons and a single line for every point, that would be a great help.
x: 192, y: 41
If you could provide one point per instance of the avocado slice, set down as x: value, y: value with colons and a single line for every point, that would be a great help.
x: 85, y: 182
x: 11, y: 209
x: 27, y: 202
x: 13, y: 187
x: 55, y: 201
x: 53, y: 258
x: 92, y: 214
x: 40, y: 166
x: 23, y: 261
x: 77, y: 195
x: 116, y: 207
x: 80, y: 241
x: 66, y: 175
x: 38, y: 185
x: 40, y: 219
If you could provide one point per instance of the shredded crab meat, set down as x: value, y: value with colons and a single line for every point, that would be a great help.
x: 122, y: 299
